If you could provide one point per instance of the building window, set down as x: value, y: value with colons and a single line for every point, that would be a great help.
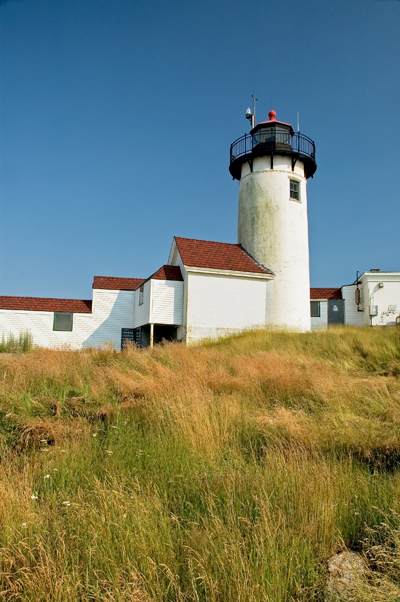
x: 63, y: 320
x: 315, y: 309
x: 295, y: 190
x: 141, y: 295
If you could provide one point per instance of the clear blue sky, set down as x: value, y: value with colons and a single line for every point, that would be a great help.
x: 116, y: 119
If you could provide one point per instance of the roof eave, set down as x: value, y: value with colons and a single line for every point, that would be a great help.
x: 234, y: 273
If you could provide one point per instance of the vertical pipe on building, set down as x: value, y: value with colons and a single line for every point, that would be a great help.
x: 151, y: 335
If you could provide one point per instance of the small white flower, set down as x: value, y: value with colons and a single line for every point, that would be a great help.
x: 47, y: 476
x: 67, y: 503
x: 63, y: 451
x: 24, y: 524
x: 109, y: 452
x: 45, y: 449
x: 356, y: 513
x: 114, y: 427
x: 43, y: 440
x: 34, y: 497
x: 56, y: 469
x: 94, y: 435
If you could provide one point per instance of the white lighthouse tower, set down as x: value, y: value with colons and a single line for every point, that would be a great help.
x: 272, y: 164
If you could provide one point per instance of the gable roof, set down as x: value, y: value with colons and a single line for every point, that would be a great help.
x: 77, y: 306
x: 325, y: 293
x: 112, y: 283
x: 217, y: 256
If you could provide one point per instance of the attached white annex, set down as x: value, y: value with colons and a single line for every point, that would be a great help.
x: 225, y: 290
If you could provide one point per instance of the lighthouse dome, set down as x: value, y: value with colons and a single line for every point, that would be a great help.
x: 271, y: 123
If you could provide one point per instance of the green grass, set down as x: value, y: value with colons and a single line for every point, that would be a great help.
x: 23, y: 343
x: 225, y: 472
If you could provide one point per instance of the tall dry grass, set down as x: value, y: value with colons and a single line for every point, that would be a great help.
x: 229, y: 471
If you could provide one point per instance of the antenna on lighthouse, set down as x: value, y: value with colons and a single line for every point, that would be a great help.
x: 298, y: 122
x: 252, y: 115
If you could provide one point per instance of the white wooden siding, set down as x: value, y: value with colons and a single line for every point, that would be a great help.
x: 176, y: 259
x: 167, y: 302
x: 352, y: 316
x: 220, y: 305
x: 113, y: 310
x: 322, y: 320
x: 40, y: 325
x: 141, y: 314
x: 366, y: 301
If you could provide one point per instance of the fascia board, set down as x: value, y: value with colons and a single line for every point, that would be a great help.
x: 174, y: 246
x: 43, y: 312
x: 234, y: 273
x: 115, y: 291
x: 380, y: 276
x: 151, y: 302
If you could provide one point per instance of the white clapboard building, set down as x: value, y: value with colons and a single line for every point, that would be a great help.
x: 372, y: 300
x: 210, y: 289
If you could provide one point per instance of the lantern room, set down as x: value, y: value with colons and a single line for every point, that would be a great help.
x: 271, y: 138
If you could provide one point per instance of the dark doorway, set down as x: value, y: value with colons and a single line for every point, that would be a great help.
x: 161, y: 332
x: 335, y: 311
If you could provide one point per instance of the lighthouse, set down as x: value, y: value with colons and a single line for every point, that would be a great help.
x: 272, y: 165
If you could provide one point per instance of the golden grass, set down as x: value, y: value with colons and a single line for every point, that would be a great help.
x: 223, y: 472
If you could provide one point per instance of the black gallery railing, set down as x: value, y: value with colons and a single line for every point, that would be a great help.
x: 268, y: 142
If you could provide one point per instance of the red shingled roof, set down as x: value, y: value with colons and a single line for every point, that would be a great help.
x: 77, y: 306
x: 166, y: 272
x: 217, y: 256
x: 325, y: 293
x: 110, y: 283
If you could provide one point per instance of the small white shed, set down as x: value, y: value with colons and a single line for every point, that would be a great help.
x: 327, y: 307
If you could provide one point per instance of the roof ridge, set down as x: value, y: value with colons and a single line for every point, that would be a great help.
x: 327, y: 288
x: 217, y: 242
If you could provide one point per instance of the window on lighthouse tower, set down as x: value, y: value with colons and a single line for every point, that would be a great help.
x: 295, y: 190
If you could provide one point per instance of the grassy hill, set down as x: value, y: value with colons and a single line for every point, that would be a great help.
x: 227, y: 472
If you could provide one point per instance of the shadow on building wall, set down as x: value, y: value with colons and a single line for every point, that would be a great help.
x: 120, y: 315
